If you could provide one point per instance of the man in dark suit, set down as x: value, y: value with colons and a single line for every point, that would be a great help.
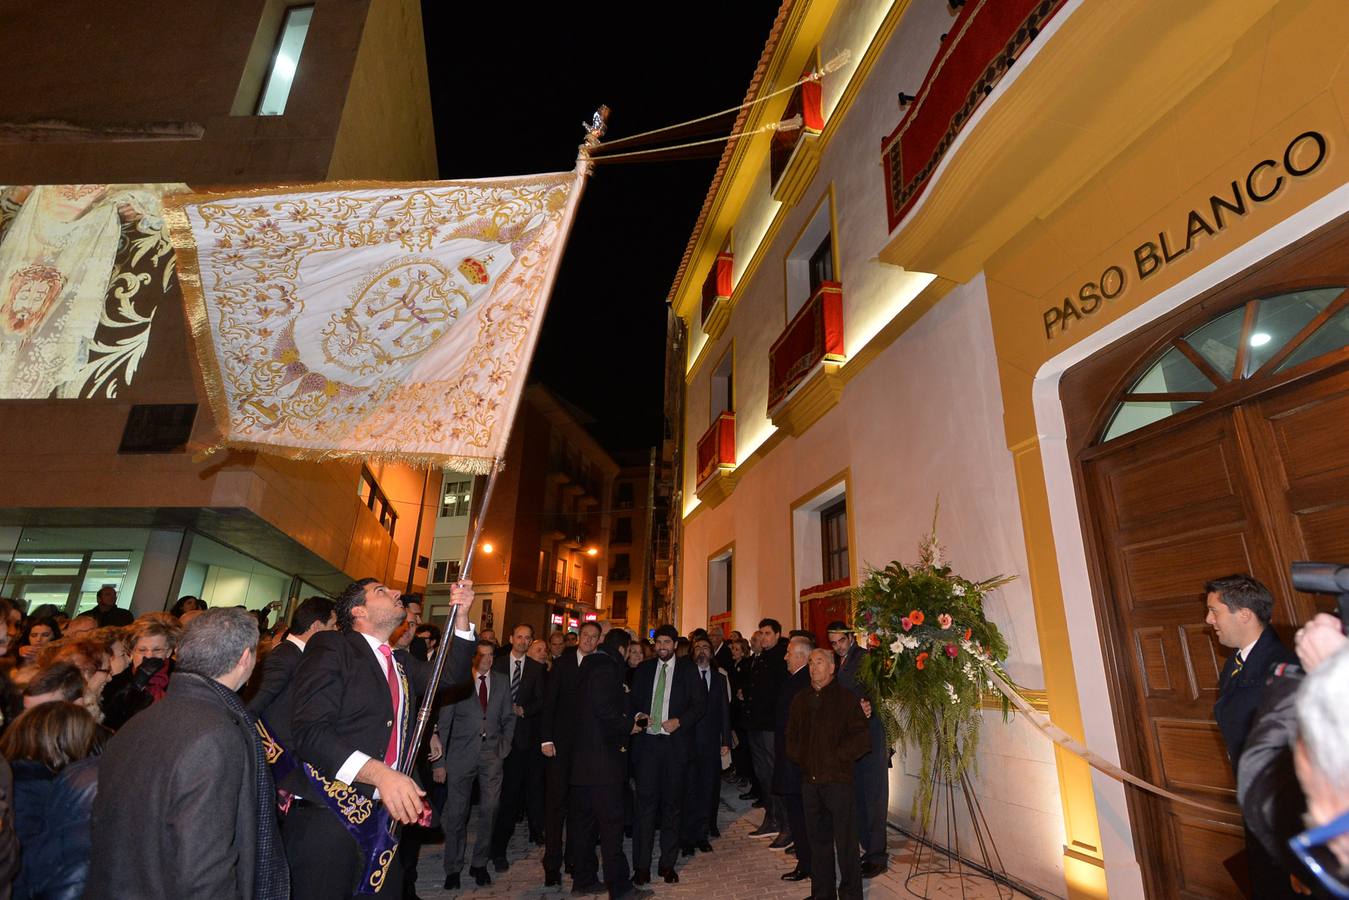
x: 711, y: 743
x: 271, y: 696
x: 1239, y: 612
x: 602, y: 726
x: 186, y: 804
x: 355, y: 708
x: 766, y: 680
x: 556, y: 739
x: 668, y: 694
x: 871, y: 773
x: 525, y: 679
x: 721, y: 649
x: 476, y: 732
x: 786, y: 773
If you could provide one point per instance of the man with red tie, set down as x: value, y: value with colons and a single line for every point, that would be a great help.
x: 355, y: 708
x: 477, y: 733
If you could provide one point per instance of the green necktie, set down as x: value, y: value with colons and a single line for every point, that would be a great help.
x: 658, y: 704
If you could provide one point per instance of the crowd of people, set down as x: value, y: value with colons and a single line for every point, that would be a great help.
x: 205, y: 753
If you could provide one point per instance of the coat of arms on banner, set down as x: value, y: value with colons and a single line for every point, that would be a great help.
x: 388, y: 321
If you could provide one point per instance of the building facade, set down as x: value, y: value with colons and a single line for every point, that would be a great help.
x: 543, y: 554
x: 103, y: 484
x: 1076, y: 272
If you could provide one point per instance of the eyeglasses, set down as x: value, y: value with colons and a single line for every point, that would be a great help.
x: 1310, y: 847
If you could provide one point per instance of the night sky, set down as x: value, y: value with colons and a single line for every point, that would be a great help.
x: 511, y: 85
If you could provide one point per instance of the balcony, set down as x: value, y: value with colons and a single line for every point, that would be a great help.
x: 717, y: 296
x: 794, y: 155
x: 716, y: 460
x: 803, y: 363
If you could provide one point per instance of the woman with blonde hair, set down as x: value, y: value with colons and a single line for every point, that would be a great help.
x: 50, y: 749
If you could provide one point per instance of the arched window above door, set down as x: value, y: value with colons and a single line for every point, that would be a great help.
x: 1256, y: 340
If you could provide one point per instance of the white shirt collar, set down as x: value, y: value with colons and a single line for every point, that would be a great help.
x: 1246, y: 651
x: 516, y: 659
x: 297, y: 641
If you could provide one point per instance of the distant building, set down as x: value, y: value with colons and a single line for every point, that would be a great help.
x: 100, y: 482
x: 544, y: 551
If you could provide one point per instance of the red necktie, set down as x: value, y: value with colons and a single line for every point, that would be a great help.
x: 391, y: 753
x: 482, y: 692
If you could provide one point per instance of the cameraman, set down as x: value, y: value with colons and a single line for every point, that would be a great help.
x: 1321, y: 756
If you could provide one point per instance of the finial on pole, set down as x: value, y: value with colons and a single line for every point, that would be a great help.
x: 594, y: 129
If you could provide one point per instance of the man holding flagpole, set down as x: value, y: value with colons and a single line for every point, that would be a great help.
x: 354, y: 712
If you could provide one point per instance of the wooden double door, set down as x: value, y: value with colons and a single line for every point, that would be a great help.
x: 1249, y: 480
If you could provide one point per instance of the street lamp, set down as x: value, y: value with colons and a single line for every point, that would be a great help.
x: 487, y: 548
x: 592, y: 551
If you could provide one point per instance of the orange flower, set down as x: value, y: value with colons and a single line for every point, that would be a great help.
x: 873, y: 642
x: 916, y: 617
x: 968, y: 632
x: 922, y: 660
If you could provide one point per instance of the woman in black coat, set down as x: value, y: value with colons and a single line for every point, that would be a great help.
x: 55, y: 779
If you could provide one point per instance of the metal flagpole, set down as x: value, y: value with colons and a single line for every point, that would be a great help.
x: 584, y: 166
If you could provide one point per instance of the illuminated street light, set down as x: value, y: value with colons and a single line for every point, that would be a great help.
x: 487, y: 548
x: 592, y: 551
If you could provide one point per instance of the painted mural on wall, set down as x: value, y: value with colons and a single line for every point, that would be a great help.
x: 83, y: 268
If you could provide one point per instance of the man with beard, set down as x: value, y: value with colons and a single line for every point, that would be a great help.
x: 711, y: 742
x: 669, y: 695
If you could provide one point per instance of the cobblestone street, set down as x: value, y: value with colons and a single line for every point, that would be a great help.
x: 739, y: 867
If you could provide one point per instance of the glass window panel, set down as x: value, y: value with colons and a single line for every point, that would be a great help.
x: 1172, y: 374
x: 1279, y: 319
x: 276, y: 89
x: 1331, y: 336
x: 1217, y: 341
x: 1134, y: 414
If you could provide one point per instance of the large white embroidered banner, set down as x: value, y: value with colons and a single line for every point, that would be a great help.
x: 387, y: 321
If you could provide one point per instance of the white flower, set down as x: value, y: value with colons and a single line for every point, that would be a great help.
x: 958, y: 589
x: 968, y: 670
x: 951, y: 692
x: 903, y: 642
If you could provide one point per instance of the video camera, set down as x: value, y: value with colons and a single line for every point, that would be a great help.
x: 1324, y: 578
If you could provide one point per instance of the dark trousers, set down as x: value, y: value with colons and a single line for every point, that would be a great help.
x: 761, y: 745
x: 515, y: 773
x: 796, y: 815
x: 598, y: 808
x: 831, y: 824
x: 325, y: 861
x: 658, y: 763
x: 556, y: 773
x: 871, y: 796
x: 743, y: 760
x: 536, y: 794
x: 702, y: 796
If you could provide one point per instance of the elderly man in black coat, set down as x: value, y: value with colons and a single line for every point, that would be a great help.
x: 557, y: 739
x: 186, y: 804
x: 599, y: 768
x: 787, y: 774
x: 871, y: 773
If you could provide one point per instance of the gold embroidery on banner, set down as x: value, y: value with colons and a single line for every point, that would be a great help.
x: 353, y: 807
x: 343, y: 387
x: 377, y: 877
x: 269, y: 745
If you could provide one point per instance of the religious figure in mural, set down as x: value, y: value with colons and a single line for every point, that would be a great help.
x: 73, y: 257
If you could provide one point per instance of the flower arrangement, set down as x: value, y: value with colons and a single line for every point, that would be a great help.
x: 930, y: 640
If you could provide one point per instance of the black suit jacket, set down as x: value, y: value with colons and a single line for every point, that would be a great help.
x: 601, y: 724
x: 273, y: 690
x: 1239, y: 696
x: 713, y: 730
x: 787, y: 774
x: 723, y: 657
x: 530, y: 698
x: 848, y: 674
x: 341, y: 698
x: 766, y: 678
x: 559, y: 706
x: 687, y: 696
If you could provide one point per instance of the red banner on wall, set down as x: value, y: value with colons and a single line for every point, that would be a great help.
x: 984, y: 42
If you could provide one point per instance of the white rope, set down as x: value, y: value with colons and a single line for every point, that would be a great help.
x: 828, y: 68
x: 791, y: 124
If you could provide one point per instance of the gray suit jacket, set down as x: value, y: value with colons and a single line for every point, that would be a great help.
x: 466, y: 733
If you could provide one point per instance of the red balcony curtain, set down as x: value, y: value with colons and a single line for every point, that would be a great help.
x: 814, y: 333
x: 717, y: 446
x: 718, y: 282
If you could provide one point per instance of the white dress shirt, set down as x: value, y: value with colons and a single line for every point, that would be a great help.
x: 347, y: 772
x: 296, y: 641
